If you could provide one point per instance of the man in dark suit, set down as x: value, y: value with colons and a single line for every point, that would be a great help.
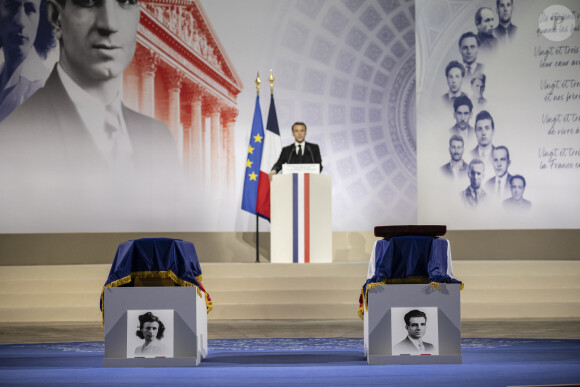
x: 73, y: 149
x: 469, y: 48
x: 301, y: 152
x: 416, y: 326
x: 499, y: 185
x: 456, y: 167
x: 485, y: 21
x: 462, y: 109
x: 454, y: 73
x: 484, y: 132
x: 505, y: 30
x: 474, y: 195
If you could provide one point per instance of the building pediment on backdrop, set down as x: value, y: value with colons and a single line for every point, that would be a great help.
x: 184, y: 27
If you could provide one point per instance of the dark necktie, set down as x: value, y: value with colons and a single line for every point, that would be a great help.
x: 300, y: 150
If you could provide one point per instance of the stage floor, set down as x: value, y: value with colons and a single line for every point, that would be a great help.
x: 15, y: 333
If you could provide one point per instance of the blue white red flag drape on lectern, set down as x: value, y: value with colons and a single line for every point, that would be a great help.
x: 253, y: 162
x: 270, y: 154
x: 263, y: 151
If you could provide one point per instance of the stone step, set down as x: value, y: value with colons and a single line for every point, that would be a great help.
x: 279, y: 283
x: 285, y: 296
x: 281, y: 270
x: 493, y: 289
x: 519, y: 310
x: 336, y: 311
x: 50, y: 313
x: 519, y: 295
x: 515, y: 268
x: 51, y: 285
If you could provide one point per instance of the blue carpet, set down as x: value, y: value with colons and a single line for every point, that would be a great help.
x: 308, y: 362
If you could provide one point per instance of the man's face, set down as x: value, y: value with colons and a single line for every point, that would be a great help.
x: 18, y: 26
x: 504, y: 10
x: 99, y: 38
x: 476, y: 175
x: 477, y: 87
x: 500, y: 162
x: 416, y: 327
x: 487, y: 21
x: 462, y: 116
x: 456, y: 150
x: 150, y: 330
x: 484, y: 132
x: 469, y: 49
x: 517, y: 188
x: 299, y: 132
x: 454, y: 79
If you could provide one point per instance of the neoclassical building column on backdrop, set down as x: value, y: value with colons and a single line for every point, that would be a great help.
x: 194, y: 145
x: 229, y: 116
x: 131, y: 79
x: 215, y: 134
x: 175, y: 79
x: 148, y: 61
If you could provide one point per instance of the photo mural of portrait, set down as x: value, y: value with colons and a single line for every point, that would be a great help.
x: 414, y: 331
x: 498, y: 124
x: 26, y: 44
x: 143, y: 124
x: 108, y: 142
x: 150, y: 333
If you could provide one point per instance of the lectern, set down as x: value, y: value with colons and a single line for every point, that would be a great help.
x: 301, y: 218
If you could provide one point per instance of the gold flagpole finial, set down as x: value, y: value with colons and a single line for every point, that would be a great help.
x: 258, y: 81
x: 271, y: 79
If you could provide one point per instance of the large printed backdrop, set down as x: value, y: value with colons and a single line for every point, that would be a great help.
x: 346, y: 68
x: 532, y: 93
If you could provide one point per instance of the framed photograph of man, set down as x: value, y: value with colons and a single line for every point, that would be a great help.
x: 414, y: 331
x: 150, y: 333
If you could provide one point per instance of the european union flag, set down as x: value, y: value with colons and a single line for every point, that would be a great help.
x: 253, y: 162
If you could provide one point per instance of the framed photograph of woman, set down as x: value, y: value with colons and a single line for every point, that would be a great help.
x: 150, y: 333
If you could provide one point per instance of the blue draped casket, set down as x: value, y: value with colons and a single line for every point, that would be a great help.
x: 408, y: 260
x: 156, y: 258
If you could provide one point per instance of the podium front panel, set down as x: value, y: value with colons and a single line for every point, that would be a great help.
x: 301, y: 218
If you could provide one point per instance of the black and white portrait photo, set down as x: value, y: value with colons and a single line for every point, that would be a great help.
x: 149, y: 333
x: 414, y: 331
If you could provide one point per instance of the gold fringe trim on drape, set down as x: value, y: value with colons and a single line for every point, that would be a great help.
x: 153, y: 275
x: 396, y: 281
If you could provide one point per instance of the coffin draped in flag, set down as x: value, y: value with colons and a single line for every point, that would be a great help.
x: 156, y: 258
x: 270, y: 153
x: 408, y: 260
x: 253, y: 162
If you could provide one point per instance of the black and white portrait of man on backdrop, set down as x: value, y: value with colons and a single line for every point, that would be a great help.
x: 414, y: 331
x: 150, y: 333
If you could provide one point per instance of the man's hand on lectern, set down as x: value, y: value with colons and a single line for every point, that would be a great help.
x: 271, y: 175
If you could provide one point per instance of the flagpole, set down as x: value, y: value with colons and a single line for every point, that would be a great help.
x: 258, y: 81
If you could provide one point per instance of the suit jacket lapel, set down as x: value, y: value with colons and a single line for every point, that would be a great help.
x: 76, y: 138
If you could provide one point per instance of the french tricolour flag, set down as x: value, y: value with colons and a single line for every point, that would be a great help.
x: 270, y: 153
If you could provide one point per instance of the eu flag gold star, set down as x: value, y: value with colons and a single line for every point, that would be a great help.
x: 253, y: 176
x: 258, y: 138
x: 250, y: 150
x: 249, y: 163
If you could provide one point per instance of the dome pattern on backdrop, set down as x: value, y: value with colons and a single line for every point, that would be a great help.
x: 356, y: 89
